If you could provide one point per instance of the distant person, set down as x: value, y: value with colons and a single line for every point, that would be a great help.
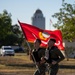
x: 53, y: 57
x: 36, y: 55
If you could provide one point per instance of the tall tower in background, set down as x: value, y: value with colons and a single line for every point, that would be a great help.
x: 38, y: 19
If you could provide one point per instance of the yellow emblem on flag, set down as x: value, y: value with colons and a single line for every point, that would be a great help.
x: 43, y: 36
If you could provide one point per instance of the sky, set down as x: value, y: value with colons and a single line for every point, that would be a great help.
x: 24, y: 10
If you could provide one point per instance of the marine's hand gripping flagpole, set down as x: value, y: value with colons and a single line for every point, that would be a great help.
x: 31, y: 53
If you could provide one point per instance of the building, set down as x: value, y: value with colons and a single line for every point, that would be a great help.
x: 38, y: 19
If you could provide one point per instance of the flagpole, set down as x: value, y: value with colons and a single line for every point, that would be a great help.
x: 51, y: 23
x: 29, y: 46
x: 31, y: 53
x: 50, y: 26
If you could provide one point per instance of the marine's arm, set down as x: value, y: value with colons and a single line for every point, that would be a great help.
x: 60, y: 55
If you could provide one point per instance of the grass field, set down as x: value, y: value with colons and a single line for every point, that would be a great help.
x: 21, y: 65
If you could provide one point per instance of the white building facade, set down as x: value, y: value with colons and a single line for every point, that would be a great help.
x: 38, y: 19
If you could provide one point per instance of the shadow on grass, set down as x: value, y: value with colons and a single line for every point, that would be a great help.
x: 21, y: 65
x: 67, y: 66
x: 33, y: 65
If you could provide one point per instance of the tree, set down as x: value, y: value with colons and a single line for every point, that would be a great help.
x: 5, y: 24
x: 7, y: 35
x: 66, y: 21
x: 16, y: 30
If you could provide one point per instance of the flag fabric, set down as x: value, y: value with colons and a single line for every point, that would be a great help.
x: 31, y: 33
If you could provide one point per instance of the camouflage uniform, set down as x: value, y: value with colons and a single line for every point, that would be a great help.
x: 37, y: 58
x: 54, y: 55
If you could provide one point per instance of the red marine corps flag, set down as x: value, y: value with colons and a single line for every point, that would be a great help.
x: 31, y: 33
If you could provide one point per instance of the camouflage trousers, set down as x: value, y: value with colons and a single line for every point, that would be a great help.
x: 53, y: 70
x: 40, y: 70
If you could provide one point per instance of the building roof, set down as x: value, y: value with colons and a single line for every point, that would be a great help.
x: 38, y: 11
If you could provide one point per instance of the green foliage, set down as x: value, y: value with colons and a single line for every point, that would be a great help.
x: 8, y: 35
x: 18, y: 33
x: 66, y: 21
x: 5, y: 24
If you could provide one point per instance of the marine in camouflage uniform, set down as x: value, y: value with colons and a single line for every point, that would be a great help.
x: 36, y: 55
x: 53, y: 57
